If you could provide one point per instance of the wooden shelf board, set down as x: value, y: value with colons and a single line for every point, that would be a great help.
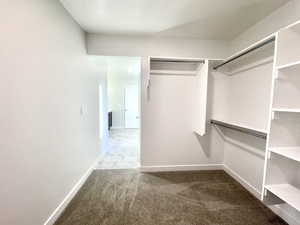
x: 287, y: 193
x: 288, y: 152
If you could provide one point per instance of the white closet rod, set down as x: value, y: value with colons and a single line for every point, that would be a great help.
x: 247, y: 130
x: 176, y: 61
x: 253, y: 48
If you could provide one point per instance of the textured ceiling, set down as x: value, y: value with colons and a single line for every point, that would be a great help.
x: 205, y: 19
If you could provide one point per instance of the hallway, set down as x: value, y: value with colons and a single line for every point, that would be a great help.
x: 122, y: 151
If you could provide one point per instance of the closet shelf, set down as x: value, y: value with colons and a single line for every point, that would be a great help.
x: 293, y: 65
x: 288, y: 152
x: 173, y: 72
x: 291, y: 110
x: 287, y: 193
x: 244, y: 129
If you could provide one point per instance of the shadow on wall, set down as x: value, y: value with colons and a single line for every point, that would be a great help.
x: 205, y: 141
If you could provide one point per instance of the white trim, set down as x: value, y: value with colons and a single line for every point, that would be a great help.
x: 288, y: 65
x: 195, y: 167
x: 192, y: 167
x: 242, y: 181
x: 61, y: 207
x: 285, y: 215
x: 290, y: 25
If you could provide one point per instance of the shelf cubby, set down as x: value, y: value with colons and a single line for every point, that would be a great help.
x: 288, y: 152
x: 287, y: 88
x: 283, y: 177
x: 287, y: 192
x: 285, y: 128
x: 281, y: 182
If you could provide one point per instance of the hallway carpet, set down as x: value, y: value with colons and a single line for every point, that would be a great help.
x: 128, y: 197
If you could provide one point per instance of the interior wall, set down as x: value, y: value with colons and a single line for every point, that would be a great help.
x: 243, y: 99
x: 168, y: 122
x: 120, y: 75
x: 285, y: 15
x: 160, y: 144
x: 47, y: 80
x: 120, y: 45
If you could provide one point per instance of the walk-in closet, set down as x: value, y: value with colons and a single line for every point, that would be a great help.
x: 150, y: 112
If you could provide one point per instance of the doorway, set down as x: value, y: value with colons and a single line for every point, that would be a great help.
x: 132, y: 118
x: 122, y: 150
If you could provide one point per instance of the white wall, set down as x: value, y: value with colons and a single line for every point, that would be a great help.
x: 46, y: 75
x: 161, y: 144
x: 243, y: 98
x: 287, y: 14
x: 113, y: 45
x: 122, y: 72
x: 168, y: 122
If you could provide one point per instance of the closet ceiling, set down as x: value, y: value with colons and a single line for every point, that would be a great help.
x: 205, y: 19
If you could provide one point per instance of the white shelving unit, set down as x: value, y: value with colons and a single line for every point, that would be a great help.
x: 175, y: 66
x: 173, y: 72
x: 291, y: 110
x: 288, y: 152
x: 287, y: 193
x: 294, y: 65
x: 185, y: 68
x: 282, y: 159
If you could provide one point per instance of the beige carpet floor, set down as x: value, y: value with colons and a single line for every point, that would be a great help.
x: 128, y: 197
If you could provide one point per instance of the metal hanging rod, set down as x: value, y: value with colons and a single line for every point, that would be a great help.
x: 252, y: 132
x: 177, y: 61
x: 246, y: 52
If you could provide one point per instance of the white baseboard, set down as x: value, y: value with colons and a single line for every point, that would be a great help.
x: 242, y: 181
x: 61, y: 207
x: 284, y: 214
x: 192, y: 167
x: 280, y: 212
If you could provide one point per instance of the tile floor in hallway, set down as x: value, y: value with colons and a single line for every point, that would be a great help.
x: 122, y: 150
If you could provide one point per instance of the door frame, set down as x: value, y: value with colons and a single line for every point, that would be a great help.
x: 138, y: 102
